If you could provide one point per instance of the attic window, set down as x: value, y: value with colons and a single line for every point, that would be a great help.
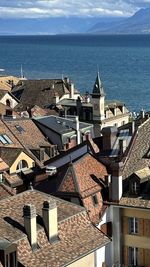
x: 20, y: 129
x: 5, y: 139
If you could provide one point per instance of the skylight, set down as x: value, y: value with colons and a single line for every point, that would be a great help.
x: 5, y: 139
x: 20, y: 129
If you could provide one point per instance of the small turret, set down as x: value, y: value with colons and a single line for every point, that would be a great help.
x: 98, y: 100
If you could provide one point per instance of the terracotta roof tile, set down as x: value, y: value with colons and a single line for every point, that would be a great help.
x: 27, y: 133
x: 77, y: 236
x: 136, y: 159
x: 5, y: 191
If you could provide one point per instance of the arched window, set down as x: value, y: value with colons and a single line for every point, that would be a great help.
x: 22, y: 165
x: 8, y: 102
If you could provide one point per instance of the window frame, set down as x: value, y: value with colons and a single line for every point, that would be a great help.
x: 133, y: 256
x: 133, y: 226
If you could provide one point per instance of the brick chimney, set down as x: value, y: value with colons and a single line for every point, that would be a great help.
x: 49, y: 213
x: 115, y: 189
x: 29, y: 214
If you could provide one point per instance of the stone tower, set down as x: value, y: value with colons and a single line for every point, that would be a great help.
x: 98, y: 100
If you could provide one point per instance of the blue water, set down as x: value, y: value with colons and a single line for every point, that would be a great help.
x: 123, y: 62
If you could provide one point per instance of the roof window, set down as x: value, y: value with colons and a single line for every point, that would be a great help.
x: 5, y: 139
x: 20, y: 129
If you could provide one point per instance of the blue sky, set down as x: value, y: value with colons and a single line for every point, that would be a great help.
x: 67, y: 8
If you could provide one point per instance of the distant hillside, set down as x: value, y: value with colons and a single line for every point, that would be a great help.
x: 139, y: 23
x: 61, y: 25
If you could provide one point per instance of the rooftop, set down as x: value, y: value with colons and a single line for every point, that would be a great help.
x: 77, y: 236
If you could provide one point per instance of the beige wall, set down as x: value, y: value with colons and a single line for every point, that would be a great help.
x: 116, y: 121
x: 22, y: 156
x: 140, y: 240
x: 87, y: 261
x: 13, y: 102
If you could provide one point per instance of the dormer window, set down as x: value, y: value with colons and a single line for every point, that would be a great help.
x: 22, y: 165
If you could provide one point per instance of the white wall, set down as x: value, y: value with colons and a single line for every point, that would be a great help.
x: 13, y: 102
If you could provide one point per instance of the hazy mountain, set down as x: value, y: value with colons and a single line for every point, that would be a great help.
x: 139, y: 23
x: 46, y: 26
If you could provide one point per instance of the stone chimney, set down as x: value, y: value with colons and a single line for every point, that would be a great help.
x: 109, y: 137
x: 29, y: 214
x: 71, y: 90
x: 115, y: 190
x: 49, y: 213
x: 55, y: 98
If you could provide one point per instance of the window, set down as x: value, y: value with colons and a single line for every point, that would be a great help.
x: 133, y: 256
x: 135, y: 187
x: 22, y: 165
x: 4, y: 139
x: 20, y: 129
x: 95, y: 200
x: 8, y: 102
x: 133, y: 225
x: 11, y: 260
x: 7, y: 139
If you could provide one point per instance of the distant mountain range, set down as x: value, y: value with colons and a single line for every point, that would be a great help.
x: 139, y: 23
x: 41, y: 26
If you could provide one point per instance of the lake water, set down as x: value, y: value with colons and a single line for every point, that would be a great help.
x: 123, y: 62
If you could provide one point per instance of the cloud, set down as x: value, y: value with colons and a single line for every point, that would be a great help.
x: 59, y: 8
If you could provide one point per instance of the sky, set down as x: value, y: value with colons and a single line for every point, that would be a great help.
x: 68, y: 8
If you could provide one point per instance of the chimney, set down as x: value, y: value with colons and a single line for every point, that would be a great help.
x: 29, y: 214
x: 109, y: 137
x: 133, y: 127
x: 115, y: 190
x: 72, y: 91
x: 77, y: 126
x: 55, y: 98
x: 49, y: 212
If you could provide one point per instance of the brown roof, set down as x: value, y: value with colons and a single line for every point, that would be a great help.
x: 38, y: 92
x: 10, y: 154
x: 86, y: 176
x: 4, y: 130
x: 88, y: 173
x: 36, y: 111
x: 5, y: 82
x: 136, y: 158
x: 27, y: 133
x: 3, y: 165
x: 77, y: 236
x: 13, y: 180
x: 133, y: 202
x: 5, y: 191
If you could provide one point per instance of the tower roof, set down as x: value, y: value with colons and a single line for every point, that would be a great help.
x: 98, y: 87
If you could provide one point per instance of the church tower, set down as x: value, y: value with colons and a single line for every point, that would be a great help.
x: 98, y: 100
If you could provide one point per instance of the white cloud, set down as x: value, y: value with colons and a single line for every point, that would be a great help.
x: 57, y: 8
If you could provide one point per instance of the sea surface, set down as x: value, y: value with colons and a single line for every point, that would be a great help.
x: 122, y: 60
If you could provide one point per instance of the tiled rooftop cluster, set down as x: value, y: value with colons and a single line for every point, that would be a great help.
x: 77, y: 236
